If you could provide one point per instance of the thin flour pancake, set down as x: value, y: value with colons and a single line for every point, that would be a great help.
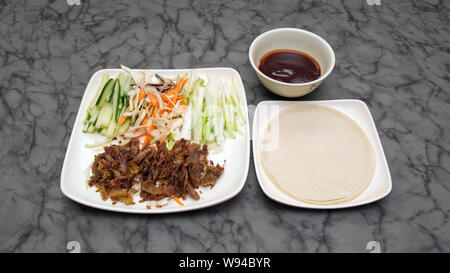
x: 322, y: 156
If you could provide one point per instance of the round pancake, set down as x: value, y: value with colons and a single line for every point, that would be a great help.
x: 322, y: 156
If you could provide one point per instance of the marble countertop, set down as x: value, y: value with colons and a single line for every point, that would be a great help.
x: 393, y: 56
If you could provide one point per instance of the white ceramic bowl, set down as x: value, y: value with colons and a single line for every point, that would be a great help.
x: 296, y: 39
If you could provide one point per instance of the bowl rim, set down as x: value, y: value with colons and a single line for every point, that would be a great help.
x: 318, y: 80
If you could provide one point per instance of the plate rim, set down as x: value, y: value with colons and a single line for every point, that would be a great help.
x: 163, y: 210
x: 297, y: 204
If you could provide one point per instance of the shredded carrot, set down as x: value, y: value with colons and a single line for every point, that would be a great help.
x: 165, y: 138
x: 141, y: 135
x: 173, y: 93
x: 122, y: 119
x: 140, y: 96
x: 148, y: 137
x: 184, y: 82
x: 162, y: 112
x: 153, y: 99
x: 150, y: 127
x: 178, y: 201
x: 154, y: 113
x: 144, y: 121
x: 166, y: 98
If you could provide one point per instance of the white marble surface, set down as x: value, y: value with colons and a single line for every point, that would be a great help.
x: 394, y: 56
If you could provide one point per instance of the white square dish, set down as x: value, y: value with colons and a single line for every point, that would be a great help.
x: 381, y: 183
x: 77, y: 163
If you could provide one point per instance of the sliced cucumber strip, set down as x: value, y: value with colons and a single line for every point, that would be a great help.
x: 124, y: 127
x: 91, y: 106
x: 94, y: 116
x: 91, y: 128
x: 111, y: 129
x: 125, y: 82
x: 86, y: 127
x: 103, y: 131
x: 115, y: 102
x: 106, y: 92
x: 105, y: 115
x: 88, y: 116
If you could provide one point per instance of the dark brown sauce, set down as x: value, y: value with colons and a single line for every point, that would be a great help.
x: 290, y: 66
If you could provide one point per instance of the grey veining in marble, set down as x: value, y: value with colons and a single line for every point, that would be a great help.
x: 394, y: 56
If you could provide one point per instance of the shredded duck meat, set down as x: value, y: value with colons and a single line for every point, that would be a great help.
x: 161, y: 172
x: 177, y: 172
x: 114, y: 172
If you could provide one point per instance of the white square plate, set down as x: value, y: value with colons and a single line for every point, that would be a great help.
x: 379, y: 187
x: 76, y: 168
